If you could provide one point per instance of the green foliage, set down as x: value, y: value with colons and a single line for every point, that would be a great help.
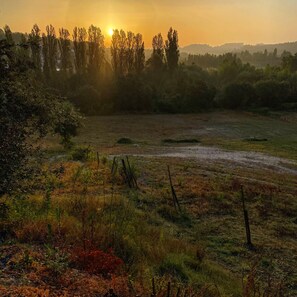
x: 174, y: 267
x: 66, y: 122
x: 27, y: 112
x: 87, y: 99
x: 169, y: 213
x: 272, y: 93
x: 237, y: 96
x: 171, y: 49
x: 56, y: 260
x: 132, y: 94
x: 81, y: 154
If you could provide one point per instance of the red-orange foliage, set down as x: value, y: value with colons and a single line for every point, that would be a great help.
x: 96, y: 261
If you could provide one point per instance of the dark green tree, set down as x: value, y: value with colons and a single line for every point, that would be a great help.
x: 35, y: 46
x: 172, y: 49
x: 80, y: 49
x: 27, y: 112
x: 156, y: 61
x: 65, y: 51
x: 139, y: 56
x: 96, y: 50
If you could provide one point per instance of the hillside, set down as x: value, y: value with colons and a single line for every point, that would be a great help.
x: 238, y: 47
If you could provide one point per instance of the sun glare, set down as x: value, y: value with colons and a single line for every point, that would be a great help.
x: 110, y: 32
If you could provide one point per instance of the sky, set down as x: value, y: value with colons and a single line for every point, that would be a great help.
x: 211, y: 22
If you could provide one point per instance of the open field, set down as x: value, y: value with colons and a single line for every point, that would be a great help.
x: 224, y: 129
x: 210, y: 157
x: 207, y: 176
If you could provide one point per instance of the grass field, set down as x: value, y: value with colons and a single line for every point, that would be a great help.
x: 224, y: 129
x: 205, y: 242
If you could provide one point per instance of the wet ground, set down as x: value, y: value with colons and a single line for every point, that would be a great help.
x: 240, y: 158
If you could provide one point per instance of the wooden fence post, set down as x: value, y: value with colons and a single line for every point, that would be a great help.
x: 174, y: 197
x: 246, y: 221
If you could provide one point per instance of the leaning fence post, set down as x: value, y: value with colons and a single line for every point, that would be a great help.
x: 174, y: 197
x: 246, y: 221
x: 126, y: 174
x: 131, y: 174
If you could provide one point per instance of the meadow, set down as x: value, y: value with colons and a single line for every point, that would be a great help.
x: 86, y: 229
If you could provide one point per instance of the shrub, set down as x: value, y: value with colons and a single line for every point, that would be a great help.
x: 237, y: 96
x: 96, y: 261
x: 272, y: 93
x: 87, y: 99
x: 81, y: 154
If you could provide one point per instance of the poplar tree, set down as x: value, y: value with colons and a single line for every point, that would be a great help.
x: 35, y: 46
x: 130, y: 52
x: 50, y: 51
x: 157, y: 58
x: 172, y: 49
x: 80, y: 49
x: 139, y: 56
x: 96, y: 50
x: 65, y: 51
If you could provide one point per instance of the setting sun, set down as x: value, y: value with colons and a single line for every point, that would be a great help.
x: 110, y: 32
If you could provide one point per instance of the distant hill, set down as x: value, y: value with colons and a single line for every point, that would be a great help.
x: 238, y: 47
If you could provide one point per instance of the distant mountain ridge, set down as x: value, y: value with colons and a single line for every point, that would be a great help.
x: 238, y: 47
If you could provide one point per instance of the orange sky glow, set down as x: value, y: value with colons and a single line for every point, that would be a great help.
x: 197, y: 21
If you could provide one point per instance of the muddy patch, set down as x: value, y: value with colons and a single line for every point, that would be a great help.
x: 213, y: 154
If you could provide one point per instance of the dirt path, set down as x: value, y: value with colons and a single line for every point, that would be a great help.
x: 213, y: 154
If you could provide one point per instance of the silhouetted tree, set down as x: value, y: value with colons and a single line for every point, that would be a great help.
x: 96, y: 50
x: 119, y: 52
x: 139, y: 56
x: 50, y: 51
x: 65, y: 50
x: 157, y: 58
x: 35, y: 46
x: 172, y: 49
x: 80, y: 49
x: 122, y: 53
x: 130, y: 52
x: 114, y: 50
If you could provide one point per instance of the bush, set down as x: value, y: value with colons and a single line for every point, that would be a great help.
x: 272, y: 93
x: 132, y: 94
x: 198, y: 96
x: 81, y: 154
x: 87, y: 99
x: 237, y: 96
x: 96, y: 261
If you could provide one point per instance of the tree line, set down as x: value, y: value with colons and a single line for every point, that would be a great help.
x: 98, y: 80
x: 84, y: 50
x: 257, y: 59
